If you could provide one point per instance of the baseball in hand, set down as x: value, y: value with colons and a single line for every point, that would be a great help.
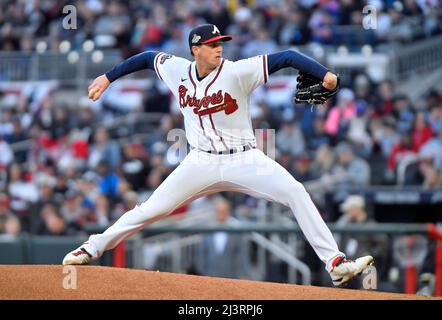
x: 330, y: 81
x: 98, y: 86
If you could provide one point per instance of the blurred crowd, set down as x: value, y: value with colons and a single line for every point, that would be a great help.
x: 72, y: 171
x: 257, y: 26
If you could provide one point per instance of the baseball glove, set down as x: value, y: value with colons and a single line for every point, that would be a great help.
x: 310, y: 90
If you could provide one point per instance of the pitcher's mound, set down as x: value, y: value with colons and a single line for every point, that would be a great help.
x: 93, y: 282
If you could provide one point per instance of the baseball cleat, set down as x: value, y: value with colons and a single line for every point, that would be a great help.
x: 78, y: 256
x: 343, y: 270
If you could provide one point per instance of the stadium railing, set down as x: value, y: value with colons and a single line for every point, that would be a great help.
x: 76, y: 68
x: 71, y: 69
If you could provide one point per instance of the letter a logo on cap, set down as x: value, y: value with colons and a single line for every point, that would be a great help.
x: 215, y: 30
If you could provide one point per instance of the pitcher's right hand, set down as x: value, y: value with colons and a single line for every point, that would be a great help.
x: 98, y: 86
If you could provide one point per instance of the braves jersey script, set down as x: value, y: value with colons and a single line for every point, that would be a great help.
x: 215, y: 109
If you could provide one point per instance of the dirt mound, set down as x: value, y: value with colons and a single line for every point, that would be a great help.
x: 92, y: 282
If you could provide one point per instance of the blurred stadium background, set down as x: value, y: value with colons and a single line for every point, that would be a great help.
x: 371, y: 158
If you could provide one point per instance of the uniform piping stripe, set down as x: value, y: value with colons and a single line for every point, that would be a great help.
x: 211, y: 141
x: 210, y: 115
x: 155, y: 65
x: 264, y: 64
x: 216, y: 76
x: 193, y: 82
x: 214, y: 129
x: 201, y: 120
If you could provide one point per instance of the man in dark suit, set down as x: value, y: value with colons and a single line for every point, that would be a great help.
x: 219, y: 252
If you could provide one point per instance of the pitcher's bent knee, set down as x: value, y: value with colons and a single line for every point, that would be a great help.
x: 295, y: 190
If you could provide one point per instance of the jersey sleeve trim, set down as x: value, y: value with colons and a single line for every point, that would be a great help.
x: 155, y: 64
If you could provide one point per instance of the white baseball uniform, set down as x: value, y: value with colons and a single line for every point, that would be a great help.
x: 216, y: 118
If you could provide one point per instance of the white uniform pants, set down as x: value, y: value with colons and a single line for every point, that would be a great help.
x: 250, y: 172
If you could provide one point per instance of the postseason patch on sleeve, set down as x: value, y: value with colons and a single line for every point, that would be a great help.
x: 164, y: 57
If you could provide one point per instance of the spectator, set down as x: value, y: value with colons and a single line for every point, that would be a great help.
x: 113, y: 28
x: 301, y: 170
x: 218, y: 15
x: 84, y: 119
x: 52, y: 222
x: 73, y: 211
x: 320, y: 24
x: 318, y: 136
x: 295, y: 30
x: 104, y: 148
x: 432, y: 178
x: 355, y: 212
x: 385, y: 102
x: 22, y: 194
x: 154, y: 179
x: 17, y: 135
x: 364, y: 97
x: 433, y: 149
x: 9, y: 223
x: 156, y: 100
x: 290, y: 138
x: 6, y: 154
x: 356, y: 171
x: 108, y: 180
x: 6, y: 125
x: 432, y: 21
x: 399, y: 152
x: 135, y: 166
x: 432, y: 98
x: 160, y: 135
x: 422, y: 171
x: 61, y: 184
x: 242, y: 31
x: 262, y: 44
x: 421, y: 131
x: 285, y: 159
x: 176, y: 43
x: 393, y: 27
x: 358, y: 135
x: 435, y: 118
x: 62, y: 122
x: 129, y: 201
x: 46, y: 186
x: 324, y: 160
x: 219, y: 252
x: 44, y: 119
x: 385, y: 135
x: 403, y: 113
x: 339, y: 117
x: 150, y: 34
x: 347, y: 7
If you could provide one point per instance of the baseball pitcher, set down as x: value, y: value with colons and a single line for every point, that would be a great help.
x: 213, y: 95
